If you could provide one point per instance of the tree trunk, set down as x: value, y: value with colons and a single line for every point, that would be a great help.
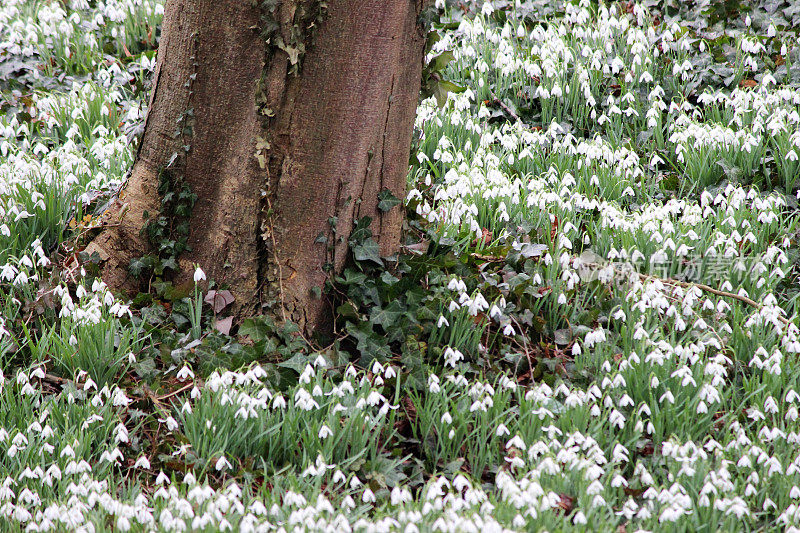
x: 286, y: 119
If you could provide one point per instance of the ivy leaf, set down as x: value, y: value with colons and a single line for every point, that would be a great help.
x: 256, y: 329
x: 387, y: 200
x: 388, y: 316
x: 368, y: 251
x: 388, y: 279
x: 292, y: 51
x: 733, y: 172
x: 370, y: 345
x: 562, y: 336
x: 352, y: 277
x: 145, y: 367
x: 297, y: 363
x: 443, y: 87
x: 361, y: 231
x: 532, y: 250
x: 170, y: 263
x: 439, y: 62
x: 347, y: 310
x: 136, y: 267
x: 141, y: 265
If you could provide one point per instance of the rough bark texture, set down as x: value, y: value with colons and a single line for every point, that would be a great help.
x: 338, y: 130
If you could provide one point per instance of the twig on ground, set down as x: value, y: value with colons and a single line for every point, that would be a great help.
x: 712, y: 290
x: 705, y: 288
x: 151, y: 396
x: 176, y: 392
x: 488, y: 258
x: 56, y: 379
x: 524, y: 346
x: 505, y: 108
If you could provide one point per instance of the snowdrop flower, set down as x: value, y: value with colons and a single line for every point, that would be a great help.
x: 325, y: 432
x: 222, y: 464
x: 172, y: 424
x: 185, y: 373
x: 516, y: 442
x: 162, y: 478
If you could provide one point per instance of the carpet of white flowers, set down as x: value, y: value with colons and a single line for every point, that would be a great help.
x: 616, y: 350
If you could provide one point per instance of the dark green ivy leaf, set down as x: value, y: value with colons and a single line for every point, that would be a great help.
x: 387, y: 200
x: 297, y: 363
x: 439, y: 62
x: 368, y: 251
x: 370, y: 345
x: 256, y: 329
x: 388, y: 316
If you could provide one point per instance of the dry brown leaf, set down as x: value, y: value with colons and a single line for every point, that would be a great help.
x: 223, y: 325
x: 219, y: 300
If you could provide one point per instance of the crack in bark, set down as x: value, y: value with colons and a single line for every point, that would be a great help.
x: 331, y: 245
x: 156, y: 85
x: 383, y: 149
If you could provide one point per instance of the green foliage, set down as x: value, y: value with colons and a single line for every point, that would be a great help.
x: 433, y: 81
x: 103, y: 349
x: 227, y: 424
x: 168, y: 230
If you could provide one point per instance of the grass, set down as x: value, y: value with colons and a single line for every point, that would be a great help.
x: 511, y: 370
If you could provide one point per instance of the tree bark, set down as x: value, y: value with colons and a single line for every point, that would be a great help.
x: 292, y: 124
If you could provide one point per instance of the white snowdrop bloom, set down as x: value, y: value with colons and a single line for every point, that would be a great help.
x: 199, y: 275
x: 185, y: 373
x: 338, y: 477
x: 279, y: 402
x: 452, y: 357
x: 324, y: 432
x: 172, y: 424
x: 222, y: 464
x: 516, y: 442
